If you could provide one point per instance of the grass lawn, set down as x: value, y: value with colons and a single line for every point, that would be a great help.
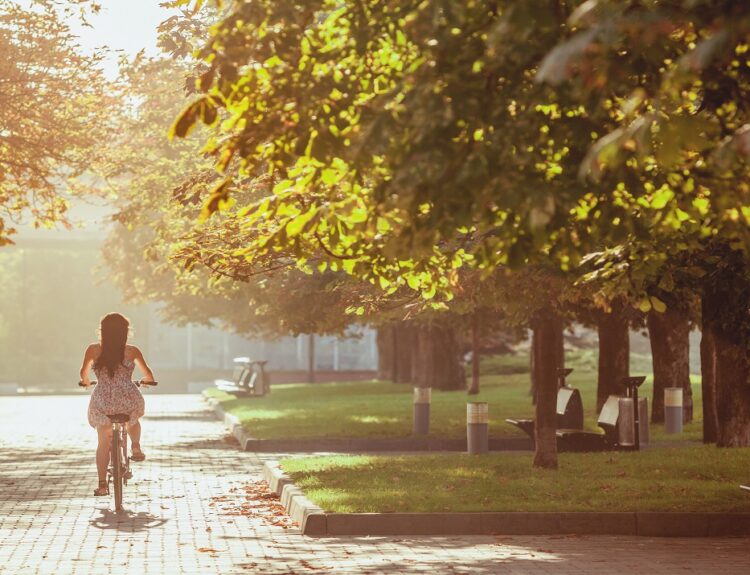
x: 698, y: 478
x: 384, y: 410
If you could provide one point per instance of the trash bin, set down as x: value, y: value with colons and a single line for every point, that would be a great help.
x: 626, y: 422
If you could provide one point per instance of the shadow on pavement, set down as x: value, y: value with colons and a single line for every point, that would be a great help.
x: 226, y: 443
x: 126, y: 521
x: 13, y: 456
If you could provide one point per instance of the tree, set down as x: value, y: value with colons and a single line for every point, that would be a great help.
x: 708, y: 379
x: 54, y: 112
x: 675, y: 74
x: 154, y: 253
x: 405, y: 141
x: 729, y: 327
x: 548, y: 325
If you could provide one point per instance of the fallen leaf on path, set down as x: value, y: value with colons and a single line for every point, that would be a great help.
x: 230, y: 440
x: 307, y: 565
x: 254, y: 500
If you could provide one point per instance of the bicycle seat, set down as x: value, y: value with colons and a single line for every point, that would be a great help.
x: 119, y: 417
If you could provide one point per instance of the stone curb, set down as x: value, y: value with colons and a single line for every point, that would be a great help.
x: 315, y: 522
x: 248, y: 443
x: 310, y: 517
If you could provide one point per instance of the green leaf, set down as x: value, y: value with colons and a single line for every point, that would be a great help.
x: 186, y: 121
x: 645, y: 305
x: 298, y: 223
x: 657, y: 304
x: 430, y: 292
x: 217, y: 199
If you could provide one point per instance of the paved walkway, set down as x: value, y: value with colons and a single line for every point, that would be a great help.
x: 195, y: 507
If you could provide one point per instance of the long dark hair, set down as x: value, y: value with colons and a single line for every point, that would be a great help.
x: 114, y: 335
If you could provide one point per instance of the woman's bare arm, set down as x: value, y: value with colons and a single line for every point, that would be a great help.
x: 140, y: 361
x: 88, y: 358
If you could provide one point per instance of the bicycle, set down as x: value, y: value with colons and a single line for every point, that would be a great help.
x: 118, y: 471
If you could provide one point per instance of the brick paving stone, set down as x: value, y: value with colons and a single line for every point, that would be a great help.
x: 50, y: 523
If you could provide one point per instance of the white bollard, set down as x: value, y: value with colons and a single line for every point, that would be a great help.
x: 673, y: 410
x: 477, y: 427
x: 422, y: 399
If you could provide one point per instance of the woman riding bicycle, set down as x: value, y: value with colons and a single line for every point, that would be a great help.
x: 113, y: 361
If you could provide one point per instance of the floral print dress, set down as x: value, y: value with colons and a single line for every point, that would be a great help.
x: 115, y: 394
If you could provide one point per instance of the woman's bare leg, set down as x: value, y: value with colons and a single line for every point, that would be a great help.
x: 134, y: 430
x: 102, y: 451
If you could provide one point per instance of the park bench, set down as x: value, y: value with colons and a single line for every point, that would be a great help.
x: 609, y: 418
x: 569, y: 408
x: 249, y: 378
x: 577, y: 439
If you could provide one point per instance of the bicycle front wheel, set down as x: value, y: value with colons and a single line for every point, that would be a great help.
x: 116, y: 458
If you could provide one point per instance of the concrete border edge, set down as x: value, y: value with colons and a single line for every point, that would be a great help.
x: 315, y: 522
x: 311, y: 518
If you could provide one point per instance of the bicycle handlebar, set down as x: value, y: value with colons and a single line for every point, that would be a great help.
x: 138, y: 383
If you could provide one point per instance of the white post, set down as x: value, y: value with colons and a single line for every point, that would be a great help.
x: 336, y: 354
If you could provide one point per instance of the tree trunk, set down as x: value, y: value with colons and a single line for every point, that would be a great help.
x: 404, y: 345
x: 614, y: 352
x: 386, y: 352
x: 708, y: 383
x: 548, y: 330
x: 669, y: 334
x: 474, y: 387
x: 725, y: 306
x: 437, y: 360
x: 534, y: 363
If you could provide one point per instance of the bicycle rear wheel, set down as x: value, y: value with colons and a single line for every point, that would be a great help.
x: 125, y: 468
x: 116, y: 457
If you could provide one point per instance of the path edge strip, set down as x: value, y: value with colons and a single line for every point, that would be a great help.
x: 312, y: 519
x: 316, y: 522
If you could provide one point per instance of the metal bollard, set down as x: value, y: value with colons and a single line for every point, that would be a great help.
x: 673, y: 410
x: 477, y: 427
x: 422, y: 398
